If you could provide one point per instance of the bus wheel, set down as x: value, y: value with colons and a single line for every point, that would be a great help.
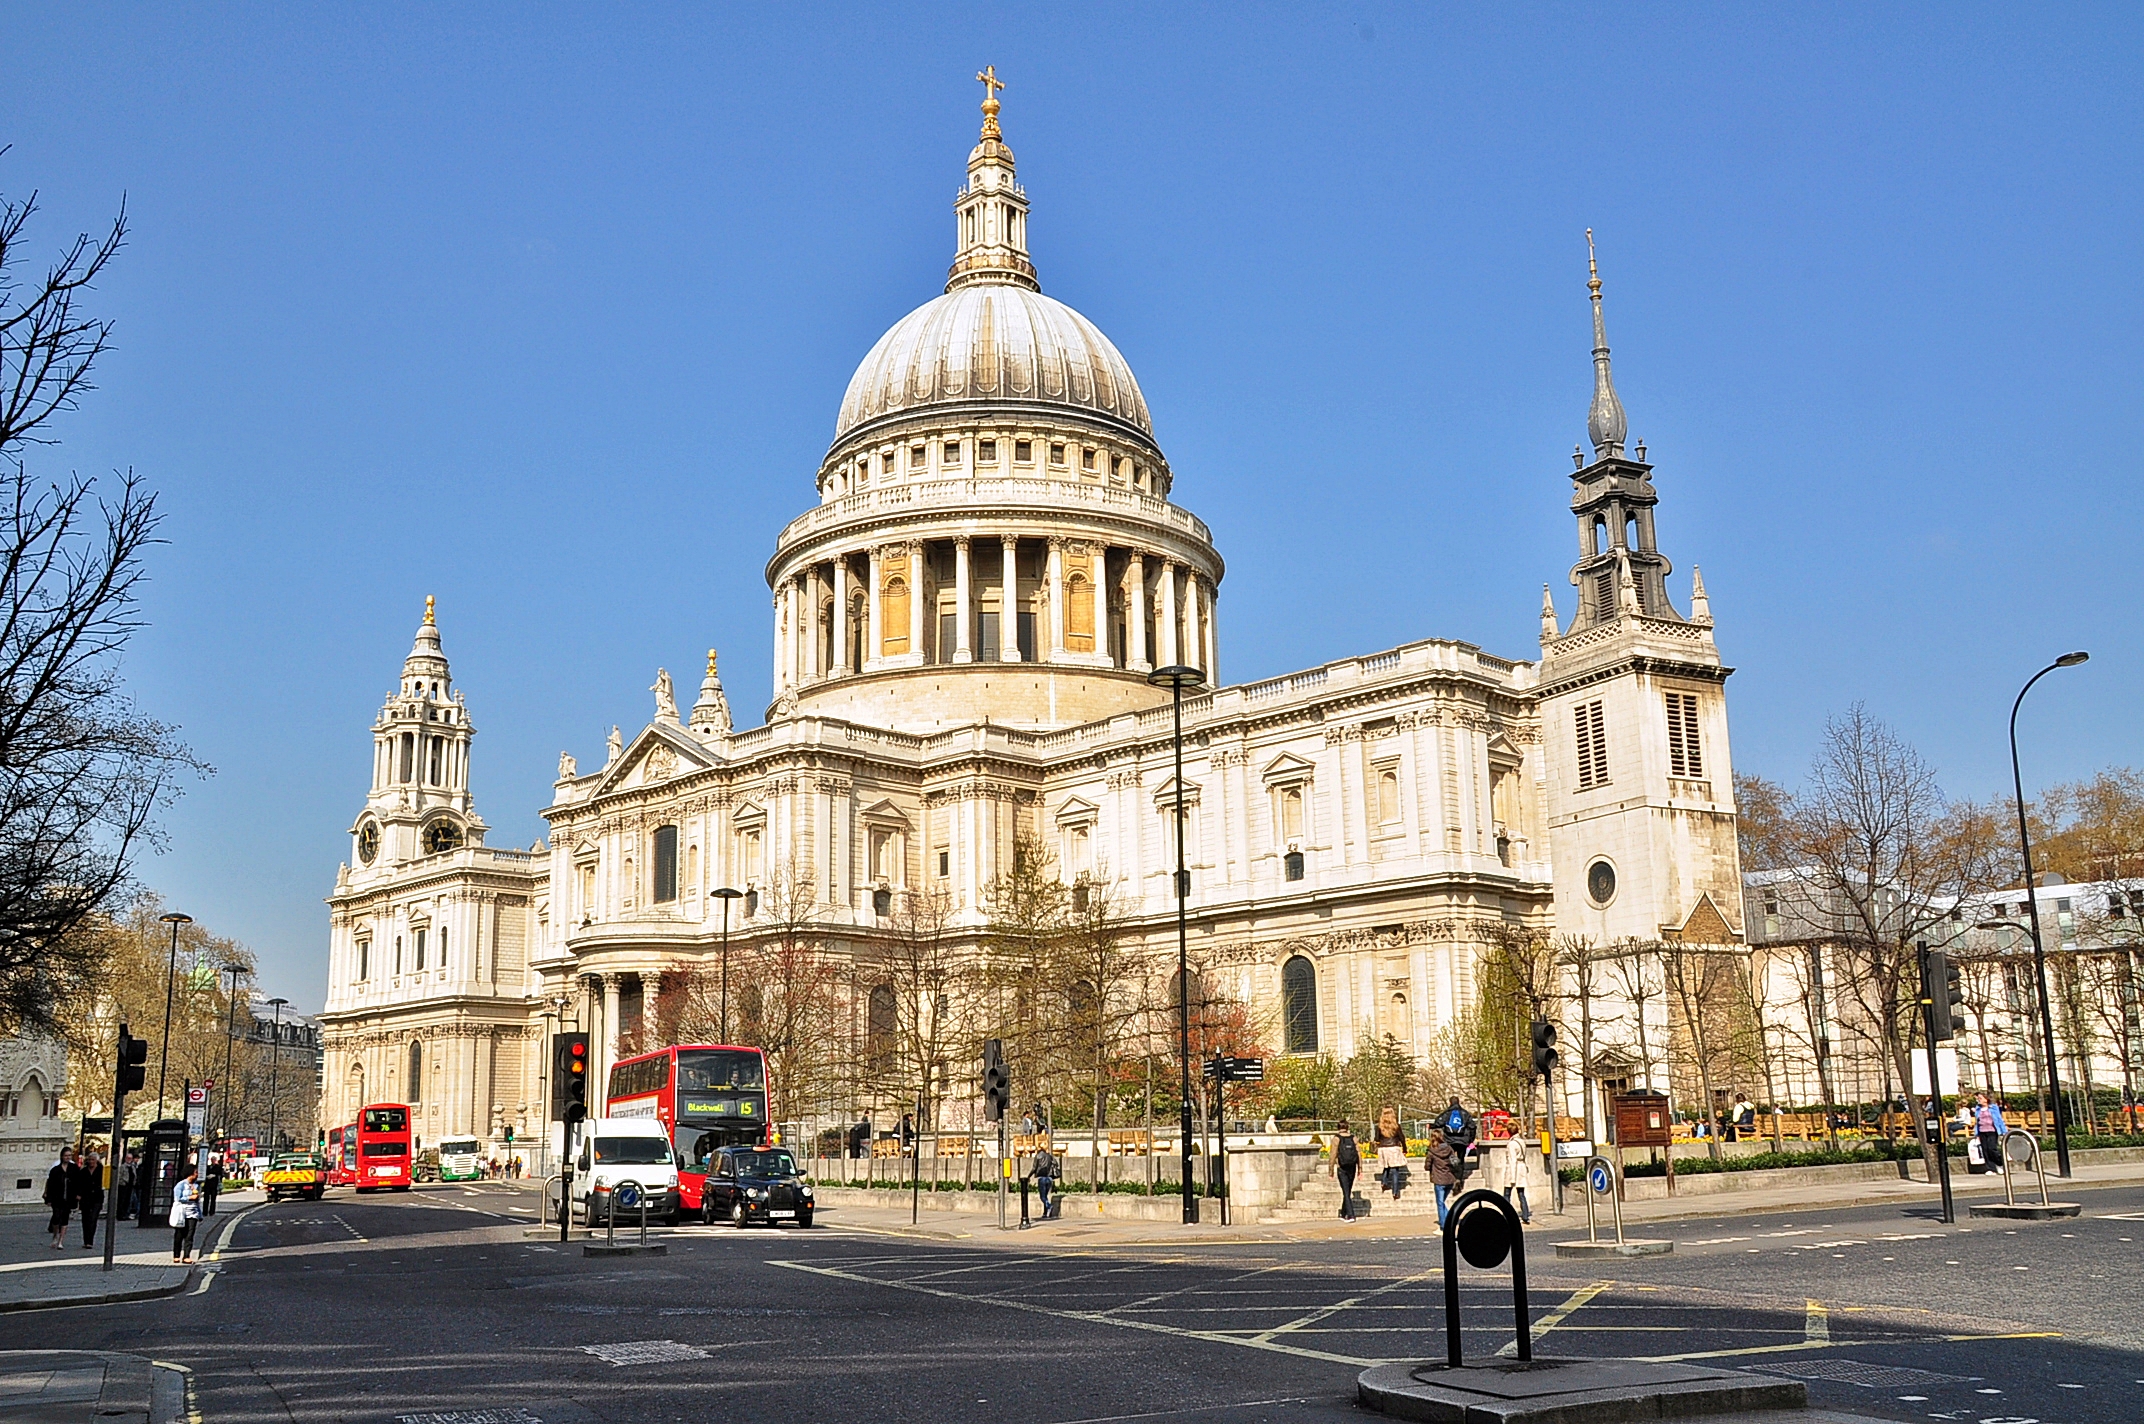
x: 737, y: 1215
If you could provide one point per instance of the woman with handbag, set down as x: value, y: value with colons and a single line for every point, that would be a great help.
x: 185, y: 1211
x: 1390, y: 1144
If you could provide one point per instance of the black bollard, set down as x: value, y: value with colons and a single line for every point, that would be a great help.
x: 1485, y: 1240
x: 1024, y: 1222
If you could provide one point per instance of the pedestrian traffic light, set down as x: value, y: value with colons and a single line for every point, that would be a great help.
x: 133, y: 1056
x: 997, y: 1080
x: 1946, y: 991
x: 1545, y: 1054
x: 569, y: 1074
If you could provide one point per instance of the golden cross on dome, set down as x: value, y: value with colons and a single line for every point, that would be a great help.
x: 988, y: 78
x: 428, y: 608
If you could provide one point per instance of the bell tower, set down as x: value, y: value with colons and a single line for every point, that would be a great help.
x: 419, y: 804
x: 1640, y: 793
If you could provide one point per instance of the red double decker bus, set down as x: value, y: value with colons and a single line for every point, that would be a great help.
x: 339, y: 1151
x: 379, y: 1158
x: 707, y: 1097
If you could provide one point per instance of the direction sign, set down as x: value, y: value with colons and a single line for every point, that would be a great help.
x: 627, y: 1195
x: 1600, y: 1178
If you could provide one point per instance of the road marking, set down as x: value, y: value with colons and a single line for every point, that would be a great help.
x: 1090, y: 1317
x: 1323, y: 1312
x: 1190, y: 1409
x: 1557, y: 1316
x: 186, y: 1377
x: 1816, y: 1326
x: 1832, y: 1344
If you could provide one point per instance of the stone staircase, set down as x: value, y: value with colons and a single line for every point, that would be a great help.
x: 1318, y: 1199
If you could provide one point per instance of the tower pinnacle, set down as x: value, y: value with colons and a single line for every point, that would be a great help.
x: 1605, y: 422
x: 991, y: 210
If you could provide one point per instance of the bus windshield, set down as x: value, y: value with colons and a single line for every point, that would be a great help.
x: 704, y: 1068
x: 386, y: 1119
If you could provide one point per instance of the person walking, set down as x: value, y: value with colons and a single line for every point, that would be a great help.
x: 185, y: 1211
x: 1347, y: 1158
x: 211, y: 1183
x: 1389, y: 1142
x: 123, y: 1182
x: 1989, y: 1125
x: 60, y: 1185
x: 1045, y: 1173
x: 1459, y: 1128
x: 1517, y: 1165
x: 90, y: 1194
x: 1443, y: 1173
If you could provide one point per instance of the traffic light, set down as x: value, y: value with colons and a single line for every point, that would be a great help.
x: 569, y: 1071
x: 997, y: 1080
x: 1545, y: 1054
x: 1946, y: 991
x: 133, y: 1058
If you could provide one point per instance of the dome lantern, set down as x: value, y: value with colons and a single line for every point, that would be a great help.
x: 990, y: 213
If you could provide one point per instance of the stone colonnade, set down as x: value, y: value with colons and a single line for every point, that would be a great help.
x: 944, y: 601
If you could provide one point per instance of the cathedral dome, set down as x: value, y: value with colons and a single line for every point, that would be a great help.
x: 997, y: 342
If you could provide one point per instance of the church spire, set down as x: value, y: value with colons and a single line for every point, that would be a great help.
x: 991, y: 211
x: 1605, y: 422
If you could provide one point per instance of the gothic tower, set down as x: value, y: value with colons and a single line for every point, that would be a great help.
x: 1640, y: 794
x: 419, y: 804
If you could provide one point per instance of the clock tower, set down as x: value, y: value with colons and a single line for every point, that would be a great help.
x: 419, y: 804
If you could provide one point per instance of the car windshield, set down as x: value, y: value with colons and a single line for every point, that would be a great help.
x: 765, y: 1164
x: 632, y: 1151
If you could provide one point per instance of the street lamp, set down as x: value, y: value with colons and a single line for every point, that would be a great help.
x: 2032, y: 902
x: 725, y: 895
x: 171, y: 980
x: 275, y: 1060
x: 230, y: 1040
x: 1176, y: 679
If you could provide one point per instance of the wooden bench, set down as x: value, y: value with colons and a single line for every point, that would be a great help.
x: 1130, y: 1142
x: 888, y: 1147
x: 1025, y: 1142
x: 955, y: 1146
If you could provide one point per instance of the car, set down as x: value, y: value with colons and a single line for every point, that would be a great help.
x: 616, y: 1150
x: 748, y: 1184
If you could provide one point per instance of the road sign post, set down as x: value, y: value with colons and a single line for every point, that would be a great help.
x: 1601, y: 1182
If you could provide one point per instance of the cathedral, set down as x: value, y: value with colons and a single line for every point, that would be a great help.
x: 964, y: 622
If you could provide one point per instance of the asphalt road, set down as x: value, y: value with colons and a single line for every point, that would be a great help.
x: 439, y: 1302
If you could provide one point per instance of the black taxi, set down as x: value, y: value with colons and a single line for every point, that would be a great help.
x: 748, y: 1184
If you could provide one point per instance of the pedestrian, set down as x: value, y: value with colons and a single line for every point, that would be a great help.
x: 123, y: 1182
x: 90, y: 1194
x: 1389, y: 1142
x: 1458, y: 1127
x: 1347, y: 1157
x: 908, y: 1130
x: 1443, y: 1173
x: 1745, y: 1116
x: 1988, y: 1123
x: 59, y: 1195
x: 1517, y: 1164
x: 211, y: 1183
x: 1045, y: 1173
x: 185, y: 1211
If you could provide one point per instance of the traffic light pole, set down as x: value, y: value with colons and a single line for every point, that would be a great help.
x: 1929, y: 989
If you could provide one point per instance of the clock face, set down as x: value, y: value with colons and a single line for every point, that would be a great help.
x: 1600, y: 882
x: 441, y: 836
x: 368, y: 842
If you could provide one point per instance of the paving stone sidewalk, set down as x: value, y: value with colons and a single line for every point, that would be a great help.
x: 33, y: 1276
x: 88, y: 1387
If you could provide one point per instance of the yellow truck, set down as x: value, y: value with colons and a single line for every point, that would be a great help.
x: 295, y: 1174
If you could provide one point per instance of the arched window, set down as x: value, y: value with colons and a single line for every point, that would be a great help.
x: 416, y: 1072
x: 1388, y: 796
x: 665, y: 864
x: 1079, y: 613
x: 1299, y: 1005
x: 893, y: 616
x: 881, y: 1024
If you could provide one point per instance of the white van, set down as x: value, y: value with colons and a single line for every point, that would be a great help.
x: 614, y: 1150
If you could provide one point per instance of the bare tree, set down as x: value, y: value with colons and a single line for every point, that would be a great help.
x: 930, y: 989
x: 82, y: 772
x: 1633, y: 967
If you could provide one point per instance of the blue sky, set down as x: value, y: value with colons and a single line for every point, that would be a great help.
x: 547, y: 311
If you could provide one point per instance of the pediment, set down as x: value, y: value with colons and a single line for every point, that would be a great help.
x: 1502, y: 750
x: 1705, y: 925
x: 1166, y: 793
x: 747, y: 813
x: 1285, y: 768
x: 659, y: 754
x: 1077, y: 810
x: 884, y: 813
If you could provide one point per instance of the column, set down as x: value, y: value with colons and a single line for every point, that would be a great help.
x: 1135, y: 613
x: 1213, y: 635
x: 1100, y: 574
x: 1165, y: 617
x: 1057, y: 599
x: 784, y: 636
x: 915, y: 601
x: 964, y: 617
x: 841, y: 617
x: 874, y: 626
x: 611, y: 983
x: 1009, y: 603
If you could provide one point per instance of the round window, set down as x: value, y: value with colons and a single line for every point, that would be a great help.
x: 1600, y: 882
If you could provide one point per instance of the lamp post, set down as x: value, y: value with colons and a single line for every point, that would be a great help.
x: 2032, y: 903
x: 230, y: 1040
x: 1176, y: 679
x: 171, y: 980
x: 725, y: 894
x: 275, y: 1060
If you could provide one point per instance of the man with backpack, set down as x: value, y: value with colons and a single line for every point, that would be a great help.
x: 1045, y: 1174
x: 1457, y: 1126
x: 1347, y: 1160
